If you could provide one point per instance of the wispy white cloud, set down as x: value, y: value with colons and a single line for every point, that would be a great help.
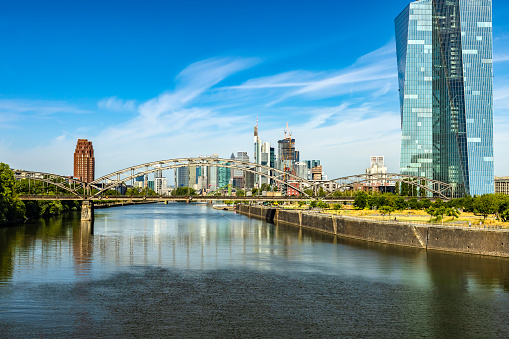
x: 375, y: 70
x: 193, y: 81
x: 500, y: 57
x: 117, y: 105
x: 38, y: 107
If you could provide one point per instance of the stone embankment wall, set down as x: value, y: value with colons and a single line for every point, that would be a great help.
x: 462, y: 240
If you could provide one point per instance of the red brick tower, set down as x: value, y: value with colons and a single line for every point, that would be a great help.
x: 84, y: 161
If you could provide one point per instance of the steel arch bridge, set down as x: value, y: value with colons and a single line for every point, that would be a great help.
x: 435, y: 187
x: 118, y: 178
x: 52, y: 179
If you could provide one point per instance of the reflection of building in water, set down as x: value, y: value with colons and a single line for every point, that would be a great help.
x: 82, y: 248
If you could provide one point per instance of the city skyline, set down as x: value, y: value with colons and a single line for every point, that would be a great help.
x: 339, y: 96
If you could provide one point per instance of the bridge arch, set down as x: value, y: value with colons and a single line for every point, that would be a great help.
x: 50, y: 178
x: 435, y: 187
x: 119, y: 177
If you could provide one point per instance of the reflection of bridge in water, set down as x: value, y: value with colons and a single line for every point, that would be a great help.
x: 78, y: 190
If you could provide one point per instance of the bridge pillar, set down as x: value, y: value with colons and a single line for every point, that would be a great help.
x: 87, y: 210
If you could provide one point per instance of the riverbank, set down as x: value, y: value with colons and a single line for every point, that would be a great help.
x: 492, y: 242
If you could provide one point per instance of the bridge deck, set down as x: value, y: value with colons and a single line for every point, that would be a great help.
x: 192, y: 198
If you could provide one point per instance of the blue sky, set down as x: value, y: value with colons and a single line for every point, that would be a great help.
x: 154, y: 80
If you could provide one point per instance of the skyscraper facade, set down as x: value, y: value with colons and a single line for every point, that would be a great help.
x: 444, y: 51
x: 84, y: 161
x: 181, y: 177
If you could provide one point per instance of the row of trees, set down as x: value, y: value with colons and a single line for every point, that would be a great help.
x: 485, y: 205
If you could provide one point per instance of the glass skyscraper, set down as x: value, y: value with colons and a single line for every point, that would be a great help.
x: 444, y: 51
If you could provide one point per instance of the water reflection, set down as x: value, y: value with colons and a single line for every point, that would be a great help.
x: 83, y: 247
x: 207, y: 261
x: 198, y: 237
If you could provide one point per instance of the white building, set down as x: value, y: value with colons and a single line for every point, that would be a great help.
x: 376, y: 165
x: 161, y: 186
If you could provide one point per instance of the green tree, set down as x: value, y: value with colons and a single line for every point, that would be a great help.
x: 265, y: 187
x: 11, y: 208
x: 438, y: 211
x: 254, y: 191
x: 240, y: 193
x: 322, y: 192
x: 414, y: 204
x: 386, y: 209
x: 400, y: 204
x: 503, y: 210
x: 505, y: 215
x: 426, y: 203
x: 313, y: 204
x: 181, y: 191
x: 361, y: 200
x: 322, y: 204
x: 337, y: 207
x: 337, y: 194
x: 467, y: 203
x: 309, y: 192
x: 404, y: 189
x: 485, y: 205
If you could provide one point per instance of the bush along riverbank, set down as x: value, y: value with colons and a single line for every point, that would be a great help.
x: 12, y: 209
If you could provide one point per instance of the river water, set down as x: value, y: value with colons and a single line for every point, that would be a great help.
x: 187, y: 270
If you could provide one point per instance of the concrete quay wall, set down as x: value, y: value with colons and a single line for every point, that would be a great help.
x: 451, y: 239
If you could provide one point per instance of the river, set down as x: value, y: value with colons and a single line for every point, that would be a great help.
x: 187, y: 270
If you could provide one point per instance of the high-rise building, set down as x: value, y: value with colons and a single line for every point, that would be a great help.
x: 181, y: 177
x: 301, y: 169
x: 84, y: 161
x: 262, y: 156
x: 223, y: 176
x: 239, y: 176
x: 316, y: 173
x: 376, y: 165
x: 193, y: 178
x: 444, y: 50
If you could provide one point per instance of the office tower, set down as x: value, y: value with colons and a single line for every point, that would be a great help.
x: 193, y: 178
x: 261, y: 157
x: 84, y: 161
x: 272, y: 156
x: 316, y: 173
x: 265, y: 161
x: 239, y: 178
x: 444, y: 50
x: 181, y: 177
x: 223, y: 176
x: 301, y: 169
x: 212, y: 178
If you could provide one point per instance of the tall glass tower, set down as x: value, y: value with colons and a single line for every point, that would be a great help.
x: 444, y: 50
